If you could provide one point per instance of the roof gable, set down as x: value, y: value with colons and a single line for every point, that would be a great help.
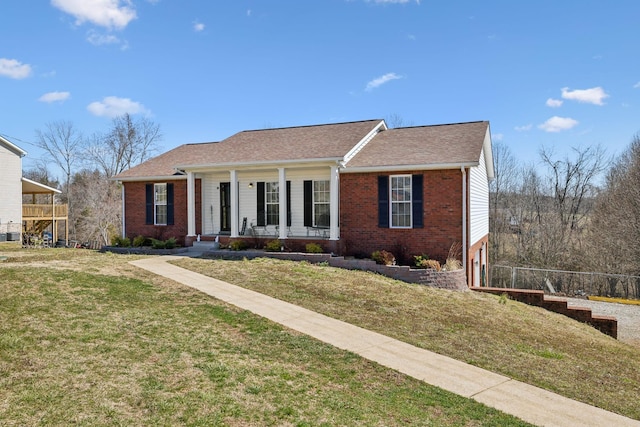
x: 449, y: 145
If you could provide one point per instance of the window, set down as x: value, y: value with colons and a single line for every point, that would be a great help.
x: 272, y: 201
x: 160, y: 204
x: 401, y: 201
x: 321, y: 198
x: 317, y: 203
x: 268, y: 203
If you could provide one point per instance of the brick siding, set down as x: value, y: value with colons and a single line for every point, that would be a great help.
x: 135, y: 212
x: 359, y: 231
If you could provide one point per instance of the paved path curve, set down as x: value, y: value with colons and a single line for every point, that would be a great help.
x: 529, y: 403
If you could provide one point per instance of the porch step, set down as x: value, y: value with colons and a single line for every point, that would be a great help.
x: 203, y: 246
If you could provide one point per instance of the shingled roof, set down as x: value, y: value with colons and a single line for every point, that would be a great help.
x: 423, y: 146
x: 432, y: 146
x: 308, y: 143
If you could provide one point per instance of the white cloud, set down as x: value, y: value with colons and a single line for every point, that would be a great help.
x: 379, y: 81
x: 112, y: 106
x: 497, y: 136
x: 198, y: 26
x: 636, y: 86
x: 558, y: 124
x: 105, y: 13
x: 524, y: 128
x: 98, y: 39
x: 594, y: 95
x: 54, y: 97
x: 554, y: 103
x: 14, y: 69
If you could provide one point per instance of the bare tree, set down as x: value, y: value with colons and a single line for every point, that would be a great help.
x: 64, y: 145
x: 396, y: 121
x: 503, y: 201
x: 100, y: 215
x: 615, y: 223
x: 128, y: 143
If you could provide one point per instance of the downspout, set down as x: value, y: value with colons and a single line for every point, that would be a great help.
x: 464, y: 222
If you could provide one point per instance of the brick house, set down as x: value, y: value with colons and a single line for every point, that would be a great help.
x: 353, y: 188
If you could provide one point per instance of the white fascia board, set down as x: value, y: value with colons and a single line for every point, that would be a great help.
x: 488, y: 154
x: 364, y: 141
x: 11, y: 146
x: 259, y: 165
x: 42, y: 187
x: 404, y: 168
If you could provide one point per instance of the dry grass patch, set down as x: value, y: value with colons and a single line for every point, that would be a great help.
x: 89, y: 348
x: 523, y: 342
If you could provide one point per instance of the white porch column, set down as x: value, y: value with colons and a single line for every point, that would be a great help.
x: 282, y: 205
x: 234, y: 203
x: 334, y: 203
x: 191, y: 204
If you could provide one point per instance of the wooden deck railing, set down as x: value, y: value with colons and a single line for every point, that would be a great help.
x: 32, y: 212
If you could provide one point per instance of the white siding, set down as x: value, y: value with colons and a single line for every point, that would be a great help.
x: 10, y: 189
x: 478, y: 202
x: 247, y: 197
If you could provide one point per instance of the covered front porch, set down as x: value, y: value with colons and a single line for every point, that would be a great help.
x: 284, y: 203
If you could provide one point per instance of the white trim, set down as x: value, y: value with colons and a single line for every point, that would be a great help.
x: 191, y: 204
x: 13, y: 147
x: 282, y: 203
x: 391, y: 201
x: 234, y: 202
x: 46, y: 188
x: 364, y: 141
x: 465, y: 249
x: 406, y: 168
x: 334, y: 204
x: 124, y: 222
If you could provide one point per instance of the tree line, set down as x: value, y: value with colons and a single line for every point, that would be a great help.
x: 87, y: 164
x: 580, y: 212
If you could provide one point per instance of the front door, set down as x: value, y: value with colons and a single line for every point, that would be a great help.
x: 225, y: 207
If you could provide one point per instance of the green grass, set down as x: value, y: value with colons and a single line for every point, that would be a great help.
x: 88, y: 339
x: 523, y: 342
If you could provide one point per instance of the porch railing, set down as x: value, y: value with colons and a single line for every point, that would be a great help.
x: 44, y: 211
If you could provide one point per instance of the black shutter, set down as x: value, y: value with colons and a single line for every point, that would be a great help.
x: 288, y: 203
x: 308, y: 203
x: 148, y: 189
x: 417, y: 201
x: 383, y: 201
x: 169, y: 204
x: 261, y: 214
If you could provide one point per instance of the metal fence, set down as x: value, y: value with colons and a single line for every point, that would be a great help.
x: 568, y: 283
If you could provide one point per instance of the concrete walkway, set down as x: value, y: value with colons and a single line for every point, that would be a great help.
x: 529, y: 403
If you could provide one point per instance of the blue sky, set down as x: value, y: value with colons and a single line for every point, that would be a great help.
x: 546, y: 73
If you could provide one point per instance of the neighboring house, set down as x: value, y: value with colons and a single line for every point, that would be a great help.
x: 17, y: 217
x: 11, y: 188
x: 352, y: 187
